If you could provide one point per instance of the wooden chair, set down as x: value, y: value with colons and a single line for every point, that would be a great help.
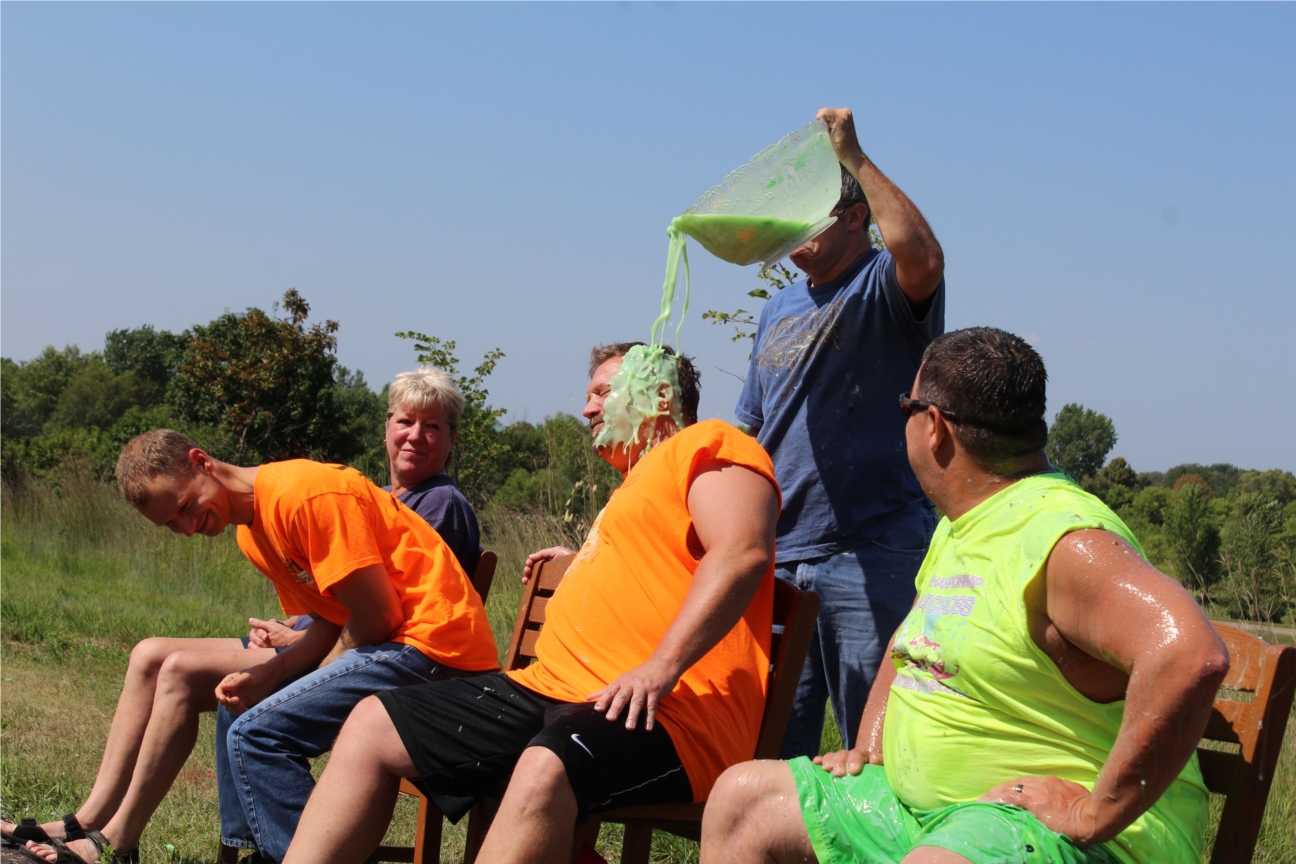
x: 1251, y: 711
x: 794, y: 619
x: 429, y: 818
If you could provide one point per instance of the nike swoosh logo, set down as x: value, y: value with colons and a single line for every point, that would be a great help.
x: 576, y: 738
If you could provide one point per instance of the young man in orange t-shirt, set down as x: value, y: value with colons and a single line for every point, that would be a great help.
x: 651, y: 670
x: 391, y: 604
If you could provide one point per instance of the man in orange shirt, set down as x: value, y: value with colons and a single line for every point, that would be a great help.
x: 392, y: 607
x: 651, y: 670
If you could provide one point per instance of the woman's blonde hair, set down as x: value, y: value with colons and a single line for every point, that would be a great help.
x: 424, y: 387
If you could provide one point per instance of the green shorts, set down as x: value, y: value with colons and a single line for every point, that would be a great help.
x: 859, y: 820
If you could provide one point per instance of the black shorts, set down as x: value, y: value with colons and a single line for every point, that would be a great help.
x: 464, y: 736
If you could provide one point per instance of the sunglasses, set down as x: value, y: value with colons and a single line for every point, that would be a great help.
x: 909, y: 405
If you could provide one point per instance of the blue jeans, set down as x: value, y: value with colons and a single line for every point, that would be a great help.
x: 262, y: 768
x: 864, y: 595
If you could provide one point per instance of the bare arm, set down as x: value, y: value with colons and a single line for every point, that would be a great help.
x: 239, y: 691
x: 375, y: 608
x: 734, y: 512
x: 375, y: 615
x: 1106, y: 600
x: 919, y: 259
x: 868, y: 741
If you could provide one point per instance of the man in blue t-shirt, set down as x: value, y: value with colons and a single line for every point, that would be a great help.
x: 831, y: 354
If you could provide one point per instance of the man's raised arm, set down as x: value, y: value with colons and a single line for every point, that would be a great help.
x: 734, y: 511
x: 1106, y: 600
x: 919, y: 260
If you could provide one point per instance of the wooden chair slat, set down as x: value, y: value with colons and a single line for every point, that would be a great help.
x: 526, y: 649
x: 1244, y: 778
x: 553, y: 571
x: 1244, y: 662
x: 1225, y: 721
x: 536, y: 615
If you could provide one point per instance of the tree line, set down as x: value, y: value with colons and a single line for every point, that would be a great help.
x: 254, y: 387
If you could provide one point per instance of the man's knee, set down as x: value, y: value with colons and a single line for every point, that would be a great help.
x: 540, y: 781
x: 368, y: 721
x: 748, y: 786
x: 148, y: 655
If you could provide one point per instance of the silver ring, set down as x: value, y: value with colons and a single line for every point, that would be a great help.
x: 1018, y: 788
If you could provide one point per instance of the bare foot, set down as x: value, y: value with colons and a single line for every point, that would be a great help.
x: 83, y: 849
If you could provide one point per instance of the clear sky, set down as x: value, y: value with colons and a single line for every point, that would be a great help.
x: 1116, y: 183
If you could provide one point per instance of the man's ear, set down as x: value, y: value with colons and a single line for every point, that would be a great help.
x: 665, y: 396
x: 201, y: 462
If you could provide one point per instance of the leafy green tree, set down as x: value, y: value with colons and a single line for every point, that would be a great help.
x: 479, y: 450
x: 1195, y: 538
x: 148, y: 354
x: 1079, y: 440
x: 33, y: 388
x: 268, y: 383
x: 96, y: 397
x: 1116, y: 484
x: 1252, y: 554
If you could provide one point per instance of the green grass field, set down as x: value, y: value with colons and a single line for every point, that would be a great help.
x: 84, y: 578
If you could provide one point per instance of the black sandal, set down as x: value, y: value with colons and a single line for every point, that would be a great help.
x: 29, y: 829
x: 64, y: 855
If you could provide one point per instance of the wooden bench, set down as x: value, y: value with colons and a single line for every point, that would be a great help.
x: 1250, y: 713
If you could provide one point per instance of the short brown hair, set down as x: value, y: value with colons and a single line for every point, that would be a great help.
x: 993, y: 385
x: 690, y: 380
x: 156, y: 453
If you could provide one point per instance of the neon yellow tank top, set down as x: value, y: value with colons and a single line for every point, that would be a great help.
x: 976, y: 703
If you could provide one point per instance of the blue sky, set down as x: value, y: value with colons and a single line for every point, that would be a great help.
x: 1116, y: 182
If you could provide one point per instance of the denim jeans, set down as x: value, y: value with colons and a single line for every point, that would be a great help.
x: 864, y: 595
x: 263, y: 775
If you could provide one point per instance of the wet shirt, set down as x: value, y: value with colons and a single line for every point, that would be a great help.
x: 976, y: 702
x: 439, y: 501
x: 827, y: 366
x: 315, y: 524
x: 625, y: 588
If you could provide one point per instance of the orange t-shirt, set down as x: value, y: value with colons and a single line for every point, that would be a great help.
x: 316, y: 524
x: 626, y: 586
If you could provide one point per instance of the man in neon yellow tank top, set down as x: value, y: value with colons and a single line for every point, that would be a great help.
x: 1043, y: 699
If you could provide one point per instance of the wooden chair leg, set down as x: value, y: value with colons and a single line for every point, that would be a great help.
x: 228, y: 854
x: 427, y: 833
x: 637, y: 845
x: 585, y: 834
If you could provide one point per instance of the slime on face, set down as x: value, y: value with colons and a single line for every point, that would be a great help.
x: 636, y: 395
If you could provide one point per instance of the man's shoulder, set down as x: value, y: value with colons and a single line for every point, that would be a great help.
x: 295, y: 481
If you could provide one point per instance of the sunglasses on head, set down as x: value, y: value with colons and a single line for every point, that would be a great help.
x: 908, y: 406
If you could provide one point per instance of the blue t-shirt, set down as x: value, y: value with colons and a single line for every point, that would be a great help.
x: 439, y: 501
x: 828, y: 364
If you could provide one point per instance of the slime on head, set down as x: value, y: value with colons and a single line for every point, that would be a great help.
x: 635, y: 397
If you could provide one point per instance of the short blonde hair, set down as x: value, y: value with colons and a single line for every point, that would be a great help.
x: 153, y: 454
x: 424, y: 387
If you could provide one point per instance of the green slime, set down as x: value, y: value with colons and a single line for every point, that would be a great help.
x: 635, y: 391
x: 740, y: 239
x: 636, y: 394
